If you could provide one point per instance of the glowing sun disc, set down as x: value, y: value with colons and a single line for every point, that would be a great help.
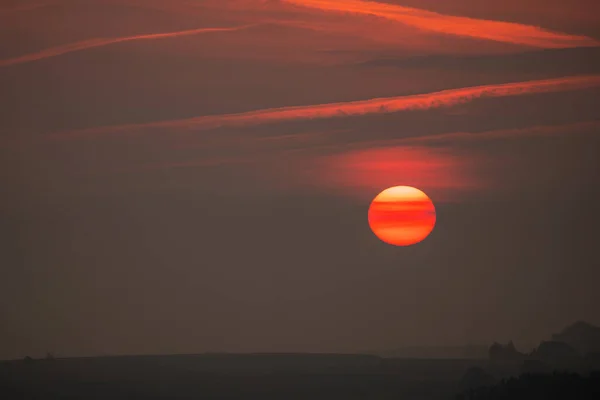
x: 402, y: 216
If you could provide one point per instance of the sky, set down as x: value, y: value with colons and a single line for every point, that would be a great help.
x: 191, y: 176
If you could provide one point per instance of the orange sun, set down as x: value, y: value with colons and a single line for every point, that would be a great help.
x: 402, y: 215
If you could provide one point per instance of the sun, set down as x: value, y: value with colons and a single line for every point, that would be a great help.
x: 402, y: 216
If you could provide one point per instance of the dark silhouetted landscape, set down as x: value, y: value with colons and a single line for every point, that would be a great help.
x: 554, y: 370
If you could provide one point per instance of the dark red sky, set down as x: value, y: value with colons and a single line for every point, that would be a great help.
x: 190, y: 176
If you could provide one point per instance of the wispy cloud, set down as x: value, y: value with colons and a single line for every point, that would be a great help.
x: 500, y: 31
x: 443, y: 171
x: 99, y: 42
x: 498, y: 134
x: 445, y: 98
x: 9, y: 11
x: 449, y: 139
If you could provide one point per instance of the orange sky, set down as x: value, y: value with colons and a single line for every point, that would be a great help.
x: 244, y: 29
x: 142, y: 140
x: 310, y: 26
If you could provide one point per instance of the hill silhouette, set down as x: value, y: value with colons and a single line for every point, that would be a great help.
x: 576, y: 348
x: 581, y: 336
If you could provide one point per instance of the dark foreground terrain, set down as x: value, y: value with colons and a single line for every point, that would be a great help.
x: 231, y: 377
x: 248, y: 377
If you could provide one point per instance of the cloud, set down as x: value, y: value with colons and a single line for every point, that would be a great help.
x: 553, y: 62
x: 432, y: 162
x: 22, y: 8
x: 501, y: 134
x: 499, y: 31
x: 444, y: 98
x: 451, y: 138
x: 99, y: 42
x: 442, y: 173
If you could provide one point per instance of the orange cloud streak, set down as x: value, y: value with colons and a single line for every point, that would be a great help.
x: 444, y: 98
x: 99, y: 42
x: 507, y: 32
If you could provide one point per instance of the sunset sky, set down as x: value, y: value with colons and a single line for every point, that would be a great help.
x: 187, y: 176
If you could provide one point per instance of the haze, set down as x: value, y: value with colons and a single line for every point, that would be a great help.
x: 194, y: 176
